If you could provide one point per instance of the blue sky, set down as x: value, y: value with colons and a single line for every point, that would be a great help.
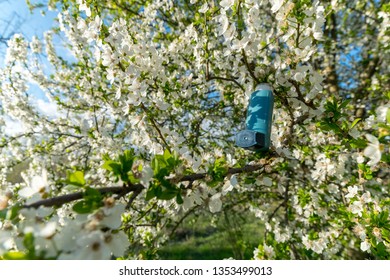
x: 15, y: 17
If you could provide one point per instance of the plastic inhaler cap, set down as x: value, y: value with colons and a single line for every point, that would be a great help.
x: 250, y: 139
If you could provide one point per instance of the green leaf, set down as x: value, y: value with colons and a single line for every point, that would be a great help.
x: 388, y: 116
x: 167, y: 194
x: 163, y: 165
x: 28, y: 242
x: 358, y: 143
x: 379, y: 250
x: 163, y: 190
x: 155, y: 165
x: 112, y: 166
x: 335, y: 127
x: 167, y: 154
x: 106, y: 157
x: 14, y: 256
x: 93, y: 199
x: 220, y: 168
x: 10, y: 213
x: 344, y: 103
x: 83, y: 207
x: 367, y: 172
x: 151, y: 192
x: 179, y: 199
x: 355, y: 122
x: 122, y: 167
x: 126, y: 161
x: 132, y: 179
x: 303, y: 197
x: 92, y: 194
x: 76, y: 178
x: 380, y: 220
x: 3, y: 214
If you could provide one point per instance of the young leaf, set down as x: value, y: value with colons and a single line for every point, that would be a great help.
x: 126, y: 160
x: 83, y: 207
x: 14, y: 256
x: 179, y: 199
x: 151, y: 192
x: 355, y: 122
x: 92, y: 194
x: 76, y: 178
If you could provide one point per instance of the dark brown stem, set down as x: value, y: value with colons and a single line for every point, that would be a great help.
x: 209, y: 78
x: 63, y: 199
x: 276, y: 210
x: 300, y: 95
x: 136, y: 189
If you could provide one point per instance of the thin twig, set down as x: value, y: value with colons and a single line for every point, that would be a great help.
x: 209, y: 78
x: 300, y: 95
x: 245, y: 59
x: 178, y: 223
x: 137, y: 190
x: 155, y: 126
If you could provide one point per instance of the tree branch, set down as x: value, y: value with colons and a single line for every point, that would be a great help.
x: 209, y: 78
x: 300, y: 95
x: 63, y: 199
x: 231, y: 171
x: 136, y: 189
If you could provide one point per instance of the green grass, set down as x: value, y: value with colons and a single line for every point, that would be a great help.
x: 214, y: 238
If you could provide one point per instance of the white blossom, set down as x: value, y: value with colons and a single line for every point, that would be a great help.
x: 6, y: 241
x: 352, y: 191
x: 276, y: 5
x: 37, y: 184
x: 382, y: 112
x: 365, y: 245
x: 215, y: 203
x: 112, y: 216
x: 36, y: 45
x: 360, y: 231
x: 357, y: 208
x: 17, y: 49
x: 269, y: 251
x: 267, y: 181
x: 226, y: 4
x: 83, y: 7
x: 170, y: 79
x: 373, y: 150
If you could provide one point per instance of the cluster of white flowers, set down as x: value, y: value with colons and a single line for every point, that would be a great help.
x: 17, y: 49
x: 163, y: 80
x: 82, y: 237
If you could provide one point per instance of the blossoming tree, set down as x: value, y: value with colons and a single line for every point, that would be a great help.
x: 149, y: 96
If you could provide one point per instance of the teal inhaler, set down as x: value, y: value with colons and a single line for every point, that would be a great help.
x: 257, y: 134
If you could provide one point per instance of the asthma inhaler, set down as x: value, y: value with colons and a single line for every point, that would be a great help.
x: 257, y: 134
